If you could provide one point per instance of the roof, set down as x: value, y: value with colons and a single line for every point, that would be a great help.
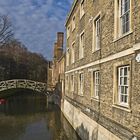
x: 71, y: 10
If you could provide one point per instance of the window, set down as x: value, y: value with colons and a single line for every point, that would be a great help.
x: 82, y: 12
x: 81, y: 48
x: 123, y: 85
x: 96, y: 33
x: 122, y: 17
x: 73, y: 23
x: 67, y: 58
x: 125, y: 16
x: 72, y: 83
x: 68, y: 31
x: 95, y: 84
x: 72, y: 53
x: 81, y: 83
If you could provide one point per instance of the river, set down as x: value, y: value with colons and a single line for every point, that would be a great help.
x: 26, y: 116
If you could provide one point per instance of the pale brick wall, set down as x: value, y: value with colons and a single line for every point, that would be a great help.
x: 123, y: 123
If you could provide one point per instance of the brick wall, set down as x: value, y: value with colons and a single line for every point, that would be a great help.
x: 105, y: 59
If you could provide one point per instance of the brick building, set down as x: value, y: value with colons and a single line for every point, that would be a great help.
x: 102, y: 78
x: 58, y: 67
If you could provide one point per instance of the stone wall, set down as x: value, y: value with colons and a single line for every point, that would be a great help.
x: 123, y: 122
x: 87, y: 128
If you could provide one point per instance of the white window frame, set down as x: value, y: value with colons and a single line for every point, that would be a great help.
x: 73, y: 23
x: 95, y: 84
x: 96, y: 42
x: 72, y: 53
x: 123, y: 94
x: 118, y: 19
x: 82, y: 12
x: 81, y: 47
x: 81, y: 83
x: 123, y: 15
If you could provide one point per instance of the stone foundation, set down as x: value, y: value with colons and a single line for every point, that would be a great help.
x: 87, y: 128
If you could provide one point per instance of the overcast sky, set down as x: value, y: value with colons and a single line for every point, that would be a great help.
x: 36, y: 22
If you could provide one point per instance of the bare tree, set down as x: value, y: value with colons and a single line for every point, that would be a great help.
x: 6, y: 31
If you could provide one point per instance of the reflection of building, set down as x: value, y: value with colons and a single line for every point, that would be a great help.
x: 58, y: 65
x: 102, y: 78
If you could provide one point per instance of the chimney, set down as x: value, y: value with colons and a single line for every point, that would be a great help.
x: 60, y: 39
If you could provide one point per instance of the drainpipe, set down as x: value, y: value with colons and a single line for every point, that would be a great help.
x: 135, y: 10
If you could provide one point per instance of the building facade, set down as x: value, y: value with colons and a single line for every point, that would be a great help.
x: 102, y: 78
x: 58, y: 52
x: 58, y: 68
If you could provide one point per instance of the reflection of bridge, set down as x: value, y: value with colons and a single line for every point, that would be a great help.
x: 26, y: 84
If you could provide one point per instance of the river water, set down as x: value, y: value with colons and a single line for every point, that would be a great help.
x: 26, y: 116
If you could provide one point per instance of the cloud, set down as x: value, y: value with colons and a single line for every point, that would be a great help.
x: 36, y: 22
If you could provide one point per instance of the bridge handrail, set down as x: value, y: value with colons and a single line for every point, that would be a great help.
x: 24, y: 83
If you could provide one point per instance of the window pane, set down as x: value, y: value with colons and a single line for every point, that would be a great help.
x: 125, y: 81
x: 121, y: 81
x: 126, y: 90
x: 121, y: 71
x: 126, y: 71
x: 98, y: 81
x: 127, y: 5
x: 127, y: 26
x: 123, y: 29
x: 122, y: 7
x: 125, y: 98
x: 122, y: 98
x: 123, y: 20
x: 122, y: 89
x: 127, y: 17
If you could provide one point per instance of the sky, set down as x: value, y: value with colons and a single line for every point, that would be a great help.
x: 36, y: 22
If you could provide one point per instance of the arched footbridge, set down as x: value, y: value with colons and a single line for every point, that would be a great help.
x: 25, y: 84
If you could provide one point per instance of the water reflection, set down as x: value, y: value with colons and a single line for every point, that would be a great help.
x: 26, y: 117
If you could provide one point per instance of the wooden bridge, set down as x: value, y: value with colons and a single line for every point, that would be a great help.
x: 26, y: 84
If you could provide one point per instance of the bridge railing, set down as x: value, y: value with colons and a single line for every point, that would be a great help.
x: 23, y: 83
